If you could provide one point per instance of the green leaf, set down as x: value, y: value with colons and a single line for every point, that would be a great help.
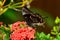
x: 48, y: 36
x: 0, y: 36
x: 2, y: 30
x: 42, y: 36
x: 53, y: 33
x: 58, y: 37
x: 55, y: 28
x: 11, y: 16
x: 7, y: 37
x: 57, y: 20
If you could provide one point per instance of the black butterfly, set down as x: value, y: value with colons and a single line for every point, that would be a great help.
x: 31, y: 18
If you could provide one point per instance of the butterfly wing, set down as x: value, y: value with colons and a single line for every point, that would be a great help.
x: 31, y: 18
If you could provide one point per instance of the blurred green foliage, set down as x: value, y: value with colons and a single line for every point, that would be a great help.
x: 5, y: 33
x: 43, y: 36
x: 56, y: 28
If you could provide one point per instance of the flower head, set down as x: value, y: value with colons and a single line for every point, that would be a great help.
x: 17, y: 25
x: 26, y: 33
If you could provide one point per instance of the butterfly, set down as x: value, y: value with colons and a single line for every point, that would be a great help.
x: 32, y: 19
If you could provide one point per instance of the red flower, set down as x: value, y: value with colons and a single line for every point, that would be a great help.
x: 26, y: 33
x: 16, y: 26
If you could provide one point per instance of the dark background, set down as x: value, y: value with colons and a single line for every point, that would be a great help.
x: 50, y: 6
